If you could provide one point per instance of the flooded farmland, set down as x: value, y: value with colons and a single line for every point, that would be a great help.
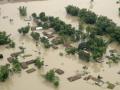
x: 71, y: 64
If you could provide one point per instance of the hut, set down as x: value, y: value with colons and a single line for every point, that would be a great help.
x: 74, y: 78
x: 31, y: 70
x: 24, y: 65
x: 59, y: 71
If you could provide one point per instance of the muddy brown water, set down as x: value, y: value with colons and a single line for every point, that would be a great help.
x: 70, y: 64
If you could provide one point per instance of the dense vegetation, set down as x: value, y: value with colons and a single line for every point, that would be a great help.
x: 4, y: 38
x: 4, y: 72
x: 39, y: 63
x: 58, y: 25
x: 84, y: 14
x: 96, y: 46
x: 50, y: 76
x: 16, y: 67
x: 103, y: 24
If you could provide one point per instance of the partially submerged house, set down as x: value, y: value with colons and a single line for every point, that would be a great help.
x: 59, y: 71
x: 31, y: 70
x: 74, y: 78
x: 48, y: 35
x: 24, y: 65
x: 85, y: 55
x: 10, y: 59
x: 16, y: 54
x: 30, y: 62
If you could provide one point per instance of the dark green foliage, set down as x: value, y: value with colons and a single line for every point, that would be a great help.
x: 45, y: 25
x: 1, y: 56
x: 84, y: 14
x: 87, y: 16
x: 16, y: 67
x: 45, y: 42
x: 102, y: 25
x: 35, y: 35
x: 105, y: 25
x: 72, y: 10
x: 24, y: 30
x: 4, y: 72
x: 34, y: 15
x: 96, y: 46
x: 39, y: 63
x: 4, y: 38
x: 43, y: 17
x: 50, y: 76
x: 23, y: 11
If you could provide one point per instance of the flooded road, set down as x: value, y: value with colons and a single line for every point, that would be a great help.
x: 70, y: 64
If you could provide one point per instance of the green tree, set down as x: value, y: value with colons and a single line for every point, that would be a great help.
x: 4, y: 72
x: 35, y: 35
x: 24, y: 30
x: 16, y: 67
x: 39, y: 63
x: 4, y: 38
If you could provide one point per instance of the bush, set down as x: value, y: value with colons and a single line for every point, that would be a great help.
x: 4, y: 72
x: 23, y: 11
x: 39, y: 63
x: 4, y: 38
x: 24, y: 30
x: 50, y: 76
x: 35, y: 35
x: 45, y: 42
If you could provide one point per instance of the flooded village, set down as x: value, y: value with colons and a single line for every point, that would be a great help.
x: 59, y: 44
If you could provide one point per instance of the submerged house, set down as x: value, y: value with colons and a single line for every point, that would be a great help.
x: 85, y: 55
x: 31, y: 70
x: 74, y: 78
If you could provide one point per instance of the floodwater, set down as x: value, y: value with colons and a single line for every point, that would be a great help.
x: 70, y: 64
